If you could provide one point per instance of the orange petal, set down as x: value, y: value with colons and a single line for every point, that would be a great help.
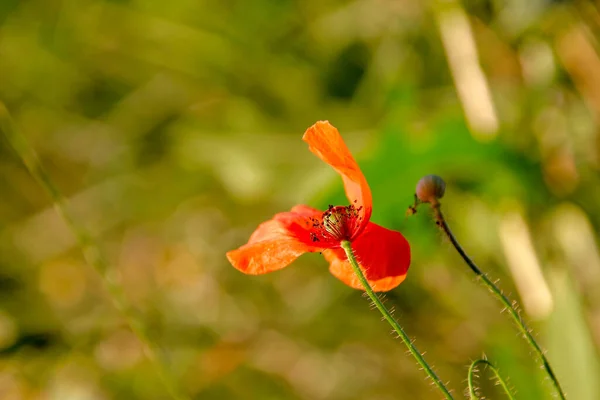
x: 298, y: 222
x: 275, y: 243
x: 383, y: 255
x: 267, y: 256
x: 325, y: 141
x: 306, y: 211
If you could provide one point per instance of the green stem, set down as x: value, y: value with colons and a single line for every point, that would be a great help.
x: 472, y: 392
x: 91, y: 251
x: 512, y: 311
x: 346, y: 245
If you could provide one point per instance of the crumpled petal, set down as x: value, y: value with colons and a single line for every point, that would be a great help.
x: 383, y: 255
x: 276, y: 243
x: 325, y: 142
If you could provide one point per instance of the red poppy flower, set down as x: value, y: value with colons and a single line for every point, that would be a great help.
x: 383, y: 254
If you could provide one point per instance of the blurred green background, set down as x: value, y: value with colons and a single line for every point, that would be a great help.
x: 174, y: 128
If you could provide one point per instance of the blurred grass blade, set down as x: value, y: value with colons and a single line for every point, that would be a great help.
x: 91, y: 251
x: 577, y: 362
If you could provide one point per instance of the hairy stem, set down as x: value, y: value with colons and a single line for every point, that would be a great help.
x: 91, y: 251
x: 473, y: 368
x: 512, y: 311
x: 392, y: 321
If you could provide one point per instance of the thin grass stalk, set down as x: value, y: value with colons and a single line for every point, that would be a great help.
x: 91, y: 251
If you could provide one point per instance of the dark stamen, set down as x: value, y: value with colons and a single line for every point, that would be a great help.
x: 337, y: 223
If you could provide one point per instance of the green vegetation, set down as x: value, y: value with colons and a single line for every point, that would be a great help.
x: 172, y: 129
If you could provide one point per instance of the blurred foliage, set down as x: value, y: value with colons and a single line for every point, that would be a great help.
x: 174, y: 129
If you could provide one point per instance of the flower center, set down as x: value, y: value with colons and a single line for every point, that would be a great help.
x: 336, y: 224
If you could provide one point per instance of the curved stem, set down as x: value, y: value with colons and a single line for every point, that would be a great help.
x: 472, y: 368
x: 91, y: 251
x: 392, y: 321
x: 512, y: 311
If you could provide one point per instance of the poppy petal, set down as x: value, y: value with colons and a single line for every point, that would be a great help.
x: 275, y: 243
x: 266, y: 256
x: 306, y: 211
x: 325, y: 142
x: 383, y: 255
x: 298, y: 222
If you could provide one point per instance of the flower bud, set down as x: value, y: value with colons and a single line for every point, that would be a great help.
x: 430, y: 188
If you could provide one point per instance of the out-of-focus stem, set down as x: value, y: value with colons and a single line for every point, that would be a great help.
x: 91, y: 251
x: 346, y: 245
x: 512, y: 311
